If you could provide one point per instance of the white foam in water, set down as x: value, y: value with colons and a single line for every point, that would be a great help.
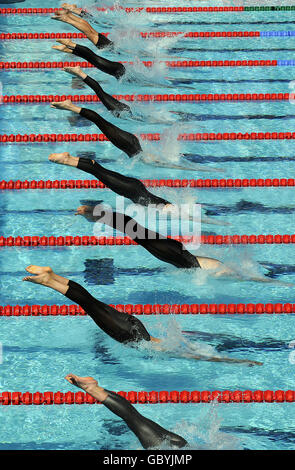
x: 205, y: 434
x: 127, y: 39
x: 175, y: 342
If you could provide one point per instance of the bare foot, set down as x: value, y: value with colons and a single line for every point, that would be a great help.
x: 66, y: 105
x: 61, y: 158
x: 63, y: 49
x: 81, y: 382
x: 67, y: 42
x: 72, y: 8
x: 75, y: 71
x: 62, y: 15
x: 39, y: 279
x: 33, y: 269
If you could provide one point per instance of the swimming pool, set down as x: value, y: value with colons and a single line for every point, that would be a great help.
x: 38, y: 352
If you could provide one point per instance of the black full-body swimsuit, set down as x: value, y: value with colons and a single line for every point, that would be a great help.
x: 165, y: 249
x: 149, y: 433
x: 123, y: 140
x: 126, y: 186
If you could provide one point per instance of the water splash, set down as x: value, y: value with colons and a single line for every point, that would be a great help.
x: 175, y: 343
x: 206, y: 433
x: 138, y: 73
x: 128, y: 39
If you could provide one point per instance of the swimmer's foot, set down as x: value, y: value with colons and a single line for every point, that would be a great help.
x: 66, y: 105
x: 72, y: 8
x: 33, y: 269
x: 67, y: 42
x: 81, y: 382
x: 75, y: 71
x: 42, y: 279
x: 63, y: 159
x: 62, y: 15
x: 63, y: 49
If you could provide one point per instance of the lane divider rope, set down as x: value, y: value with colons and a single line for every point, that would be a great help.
x: 212, y: 136
x: 143, y: 397
x: 152, y: 183
x: 154, y: 34
x: 148, y: 63
x: 202, y: 97
x: 216, y: 9
x: 152, y: 309
x: 151, y: 34
x: 86, y: 240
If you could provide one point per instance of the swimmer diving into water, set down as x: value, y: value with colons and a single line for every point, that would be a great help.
x: 165, y: 249
x: 149, y: 433
x: 120, y: 326
x: 70, y: 14
x: 123, y: 140
x: 116, y: 69
x: 126, y: 186
x: 112, y: 104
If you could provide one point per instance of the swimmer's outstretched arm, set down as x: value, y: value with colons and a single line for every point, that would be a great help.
x: 150, y: 159
x: 149, y: 433
x: 232, y: 360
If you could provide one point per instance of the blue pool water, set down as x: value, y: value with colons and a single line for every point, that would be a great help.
x: 39, y: 352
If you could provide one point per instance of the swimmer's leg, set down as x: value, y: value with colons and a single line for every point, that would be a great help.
x: 118, y: 325
x: 112, y: 104
x: 107, y: 66
x: 123, y: 140
x: 149, y: 433
x: 99, y: 40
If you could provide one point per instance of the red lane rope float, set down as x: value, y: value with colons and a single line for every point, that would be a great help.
x: 169, y: 63
x: 155, y: 183
x: 143, y: 397
x: 68, y: 240
x: 40, y: 11
x: 20, y: 99
x: 151, y: 34
x: 152, y: 309
x: 18, y: 138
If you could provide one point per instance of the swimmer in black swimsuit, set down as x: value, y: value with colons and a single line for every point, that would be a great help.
x: 125, y: 186
x: 130, y: 188
x: 166, y: 249
x: 120, y: 326
x: 149, y: 433
x: 111, y: 103
x: 68, y: 15
x: 115, y: 69
x: 123, y: 140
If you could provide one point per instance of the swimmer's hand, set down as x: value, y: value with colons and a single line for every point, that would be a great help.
x: 151, y: 160
x: 207, y: 220
x: 87, y: 212
x: 230, y: 360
